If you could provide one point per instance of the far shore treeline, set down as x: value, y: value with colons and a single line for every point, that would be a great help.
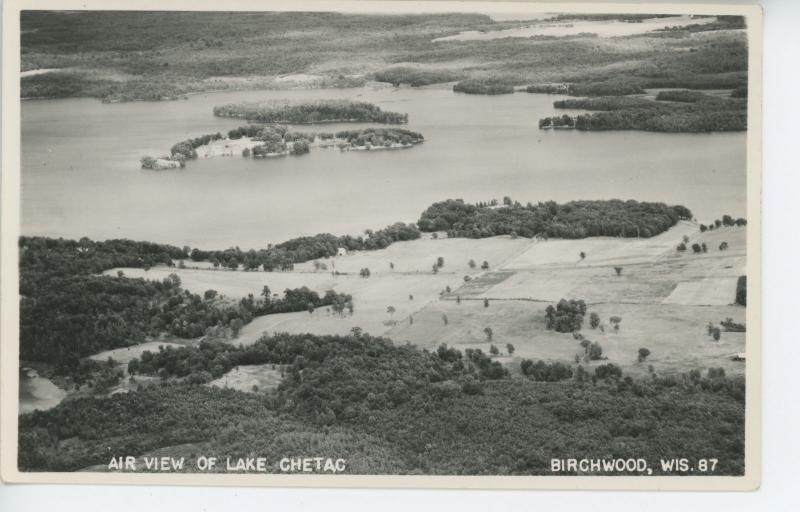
x: 323, y: 111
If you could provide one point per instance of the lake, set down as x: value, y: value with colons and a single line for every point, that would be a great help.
x: 81, y: 174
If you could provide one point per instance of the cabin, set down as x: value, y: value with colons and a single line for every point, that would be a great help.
x: 341, y: 251
x: 739, y: 356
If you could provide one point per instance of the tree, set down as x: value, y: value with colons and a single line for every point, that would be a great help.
x: 486, y: 303
x: 594, y: 320
x: 704, y: 247
x: 410, y: 297
x: 236, y: 326
x: 696, y: 248
x: 723, y: 246
x: 120, y: 273
x: 685, y: 239
x: 716, y: 333
x: 210, y: 294
x: 458, y: 299
x: 310, y: 308
x: 703, y: 228
x: 618, y: 270
x: 435, y: 268
x: 681, y: 247
x: 364, y: 272
x: 246, y: 152
x: 583, y: 255
x: 615, y: 321
x: 494, y: 351
x: 266, y: 293
x: 485, y: 265
x: 643, y: 353
x: 595, y: 351
x: 510, y: 349
x: 489, y: 333
x: 440, y: 262
x: 391, y: 311
x: 472, y: 264
x: 444, y: 319
x: 391, y: 266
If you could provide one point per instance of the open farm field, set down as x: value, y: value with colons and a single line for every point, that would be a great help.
x: 418, y: 256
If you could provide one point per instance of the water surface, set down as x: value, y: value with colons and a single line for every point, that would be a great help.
x: 81, y: 173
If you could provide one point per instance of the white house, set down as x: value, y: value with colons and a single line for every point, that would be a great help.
x: 341, y: 251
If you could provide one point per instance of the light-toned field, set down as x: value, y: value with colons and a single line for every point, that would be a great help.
x: 601, y: 251
x: 125, y: 354
x: 418, y: 256
x: 244, y: 378
x: 666, y: 298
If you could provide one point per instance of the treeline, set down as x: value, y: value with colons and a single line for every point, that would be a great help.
x: 741, y: 291
x: 704, y: 114
x: 576, y: 219
x: 682, y: 95
x: 483, y: 86
x: 283, y: 256
x: 188, y: 146
x: 327, y: 111
x: 439, y: 411
x: 590, y: 88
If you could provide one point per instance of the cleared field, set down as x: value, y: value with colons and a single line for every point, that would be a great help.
x: 125, y: 354
x: 601, y: 251
x: 420, y: 255
x: 676, y: 335
x: 714, y: 291
x: 238, y: 283
x: 247, y: 378
x: 371, y: 298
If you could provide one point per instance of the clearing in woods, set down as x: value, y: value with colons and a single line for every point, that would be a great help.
x: 665, y: 297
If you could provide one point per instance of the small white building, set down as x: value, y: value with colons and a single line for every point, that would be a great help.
x: 341, y: 251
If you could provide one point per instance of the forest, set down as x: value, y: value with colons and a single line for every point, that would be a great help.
x: 412, y: 410
x: 125, y: 56
x: 327, y: 111
x: 673, y: 111
x: 575, y: 219
x: 67, y: 312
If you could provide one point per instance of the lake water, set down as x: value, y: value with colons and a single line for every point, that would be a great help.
x: 81, y: 174
x: 37, y: 393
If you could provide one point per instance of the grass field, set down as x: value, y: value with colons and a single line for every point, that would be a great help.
x: 665, y: 297
x: 262, y: 377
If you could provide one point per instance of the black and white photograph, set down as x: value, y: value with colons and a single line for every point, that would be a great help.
x: 396, y: 244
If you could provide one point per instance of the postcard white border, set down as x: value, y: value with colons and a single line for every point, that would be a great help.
x: 9, y: 278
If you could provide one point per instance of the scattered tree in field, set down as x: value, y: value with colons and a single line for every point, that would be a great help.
x: 410, y: 320
x: 741, y: 222
x: 643, y: 353
x: 489, y: 333
x: 615, y: 321
x: 391, y: 311
x: 727, y: 220
x: 444, y: 319
x: 391, y: 266
x: 567, y: 316
x: 585, y: 344
x: 741, y: 291
x: 435, y: 268
x: 595, y: 351
x: 310, y: 307
x: 717, y: 223
x: 681, y: 247
x: 485, y: 265
x: 594, y: 320
x: 703, y: 228
x: 472, y: 264
x: 364, y: 272
x: 723, y: 246
x: 716, y: 333
x: 704, y: 247
x: 440, y: 262
x: 494, y: 351
x: 458, y: 299
x: 510, y: 349
x: 685, y: 239
x: 467, y: 279
x: 731, y: 326
x: 210, y: 294
x: 583, y: 255
x: 447, y: 289
x: 246, y: 152
x: 486, y: 303
x: 696, y: 248
x: 618, y: 270
x: 410, y: 297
